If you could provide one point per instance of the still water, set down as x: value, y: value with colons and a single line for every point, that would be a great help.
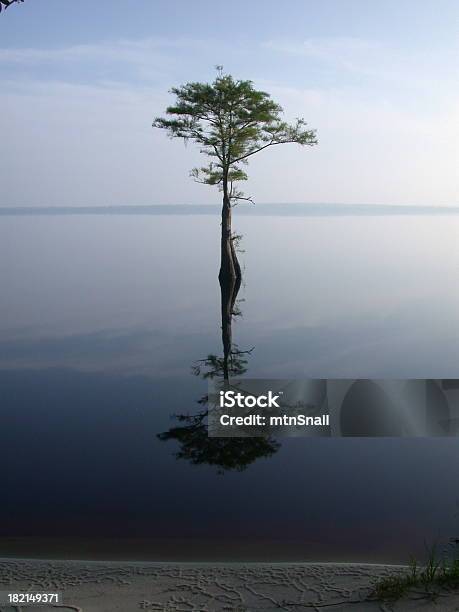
x: 109, y: 325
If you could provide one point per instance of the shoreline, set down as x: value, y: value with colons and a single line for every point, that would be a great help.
x: 203, y: 563
x: 198, y: 550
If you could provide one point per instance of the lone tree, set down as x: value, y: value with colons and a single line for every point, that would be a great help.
x: 230, y: 121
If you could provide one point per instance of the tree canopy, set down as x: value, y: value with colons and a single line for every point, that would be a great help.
x: 231, y: 121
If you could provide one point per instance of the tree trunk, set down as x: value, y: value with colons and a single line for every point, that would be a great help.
x: 229, y: 265
x: 229, y: 289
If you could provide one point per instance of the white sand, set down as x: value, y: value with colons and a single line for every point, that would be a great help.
x: 185, y: 587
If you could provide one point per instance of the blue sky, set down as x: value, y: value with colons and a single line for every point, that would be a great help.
x: 80, y: 83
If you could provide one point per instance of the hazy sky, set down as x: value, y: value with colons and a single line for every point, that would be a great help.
x: 80, y: 83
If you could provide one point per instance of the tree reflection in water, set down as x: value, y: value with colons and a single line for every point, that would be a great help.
x: 191, y: 431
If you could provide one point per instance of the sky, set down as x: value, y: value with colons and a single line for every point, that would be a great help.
x: 81, y: 82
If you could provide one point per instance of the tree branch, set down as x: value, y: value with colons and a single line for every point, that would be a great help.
x: 269, y: 144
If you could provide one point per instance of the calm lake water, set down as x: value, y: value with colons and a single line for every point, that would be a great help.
x: 103, y: 319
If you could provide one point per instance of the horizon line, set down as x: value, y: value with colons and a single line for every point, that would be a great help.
x: 261, y: 209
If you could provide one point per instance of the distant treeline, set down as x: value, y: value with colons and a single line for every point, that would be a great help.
x: 293, y: 210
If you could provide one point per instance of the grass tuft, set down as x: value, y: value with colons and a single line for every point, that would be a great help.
x: 435, y: 575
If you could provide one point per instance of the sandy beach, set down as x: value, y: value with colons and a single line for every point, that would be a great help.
x: 181, y: 587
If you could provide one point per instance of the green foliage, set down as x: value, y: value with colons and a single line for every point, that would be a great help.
x: 214, y: 366
x: 192, y: 435
x: 224, y: 453
x: 435, y: 575
x: 431, y: 569
x: 230, y: 121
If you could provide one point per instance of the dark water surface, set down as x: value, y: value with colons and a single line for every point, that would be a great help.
x: 104, y: 318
